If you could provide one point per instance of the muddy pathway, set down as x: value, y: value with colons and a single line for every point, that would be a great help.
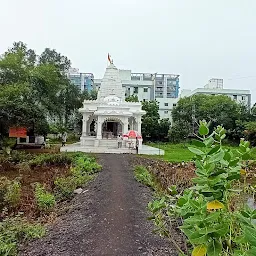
x: 109, y: 218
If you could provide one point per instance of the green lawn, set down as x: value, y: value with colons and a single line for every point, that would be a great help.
x: 180, y: 152
x: 174, y: 152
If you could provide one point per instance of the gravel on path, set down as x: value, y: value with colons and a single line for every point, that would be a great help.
x: 108, y: 218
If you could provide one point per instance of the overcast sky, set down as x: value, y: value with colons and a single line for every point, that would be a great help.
x: 197, y: 39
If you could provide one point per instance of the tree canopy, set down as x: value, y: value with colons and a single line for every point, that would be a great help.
x: 35, y: 89
x: 216, y: 109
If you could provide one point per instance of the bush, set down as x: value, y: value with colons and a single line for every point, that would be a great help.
x: 81, y: 178
x: 45, y: 200
x: 10, y: 192
x: 179, y: 131
x: 142, y: 175
x: 87, y: 165
x: 51, y: 159
x: 13, y: 193
x: 66, y: 186
x: 14, y: 230
x: 20, y: 156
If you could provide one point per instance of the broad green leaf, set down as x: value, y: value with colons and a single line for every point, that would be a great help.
x: 246, y: 156
x: 221, y: 230
x: 214, y: 248
x: 217, y: 157
x: 233, y: 163
x: 215, y: 205
x: 251, y: 252
x: 181, y: 201
x: 198, y: 164
x: 227, y: 156
x: 222, y: 137
x: 200, y: 250
x: 250, y: 235
x: 198, y: 143
x: 214, y: 149
x: 212, y: 216
x: 196, y: 151
x: 203, y: 130
x: 198, y: 238
x: 209, y: 141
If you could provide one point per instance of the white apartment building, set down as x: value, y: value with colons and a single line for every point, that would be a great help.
x: 215, y: 87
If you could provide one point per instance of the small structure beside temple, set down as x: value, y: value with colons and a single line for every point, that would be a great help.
x: 108, y: 118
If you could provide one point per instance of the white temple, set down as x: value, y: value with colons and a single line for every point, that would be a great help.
x: 108, y: 117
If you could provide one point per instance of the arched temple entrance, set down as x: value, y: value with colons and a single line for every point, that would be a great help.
x: 111, y: 128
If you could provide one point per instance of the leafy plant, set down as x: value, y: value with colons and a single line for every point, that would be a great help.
x: 51, y: 159
x: 13, y: 193
x: 144, y: 176
x: 211, y: 225
x: 10, y: 192
x: 86, y: 165
x: 14, y: 230
x: 66, y: 186
x: 45, y: 200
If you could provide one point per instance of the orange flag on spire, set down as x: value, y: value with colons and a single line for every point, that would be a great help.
x: 109, y: 58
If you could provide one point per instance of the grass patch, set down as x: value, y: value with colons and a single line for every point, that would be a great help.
x: 17, y: 229
x: 173, y: 152
x: 180, y: 153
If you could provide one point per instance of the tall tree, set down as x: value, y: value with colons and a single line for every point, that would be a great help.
x: 51, y: 56
x: 218, y: 109
x: 150, y: 121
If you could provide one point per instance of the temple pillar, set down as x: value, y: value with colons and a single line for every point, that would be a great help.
x: 99, y: 128
x: 84, y: 129
x: 125, y: 125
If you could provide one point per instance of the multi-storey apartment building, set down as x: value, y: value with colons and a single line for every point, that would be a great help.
x: 215, y: 87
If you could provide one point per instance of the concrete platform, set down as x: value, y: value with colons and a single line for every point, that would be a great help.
x: 145, y: 150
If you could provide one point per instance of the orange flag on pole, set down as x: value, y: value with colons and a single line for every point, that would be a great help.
x: 109, y: 58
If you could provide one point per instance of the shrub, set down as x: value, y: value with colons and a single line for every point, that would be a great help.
x: 14, y: 230
x: 211, y: 223
x: 51, y: 159
x: 3, y: 186
x: 66, y: 186
x: 81, y: 178
x: 10, y: 192
x: 179, y: 131
x: 87, y: 165
x: 20, y: 156
x: 13, y: 193
x: 142, y: 175
x: 45, y: 200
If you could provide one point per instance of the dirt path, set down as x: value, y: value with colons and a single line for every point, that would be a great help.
x: 110, y: 218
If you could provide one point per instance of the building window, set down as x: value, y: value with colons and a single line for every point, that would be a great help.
x: 144, y: 100
x: 235, y: 97
x: 166, y: 111
x: 243, y: 97
x: 136, y: 89
x: 166, y: 104
x: 174, y: 105
x: 145, y: 89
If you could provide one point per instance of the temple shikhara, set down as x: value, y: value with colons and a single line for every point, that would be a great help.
x: 110, y: 119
